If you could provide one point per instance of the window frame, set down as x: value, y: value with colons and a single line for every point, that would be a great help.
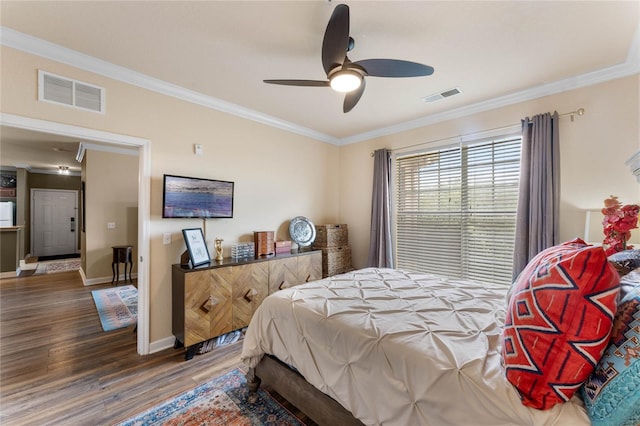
x: 461, y: 143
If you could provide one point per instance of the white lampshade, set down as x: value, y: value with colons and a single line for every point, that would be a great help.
x: 593, y: 227
x: 345, y: 81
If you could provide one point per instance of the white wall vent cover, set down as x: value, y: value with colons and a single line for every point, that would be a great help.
x: 73, y: 93
x: 442, y: 95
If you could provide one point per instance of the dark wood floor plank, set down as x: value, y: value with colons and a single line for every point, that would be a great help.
x: 57, y: 366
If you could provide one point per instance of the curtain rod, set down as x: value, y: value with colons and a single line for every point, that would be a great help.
x: 579, y: 112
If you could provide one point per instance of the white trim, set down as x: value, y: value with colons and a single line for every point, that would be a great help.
x: 45, y: 49
x: 144, y: 212
x: 10, y: 274
x: 53, y: 172
x: 44, y: 126
x: 502, y: 132
x: 105, y: 148
x: 144, y: 238
x: 102, y: 280
x: 41, y: 171
x: 35, y: 46
x: 595, y: 77
x: 162, y: 344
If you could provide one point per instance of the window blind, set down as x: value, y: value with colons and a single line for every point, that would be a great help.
x: 456, y: 210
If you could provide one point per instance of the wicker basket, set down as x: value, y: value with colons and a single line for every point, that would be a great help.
x: 336, y: 260
x: 331, y: 236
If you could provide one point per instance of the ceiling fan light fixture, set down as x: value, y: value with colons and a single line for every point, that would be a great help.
x: 345, y: 81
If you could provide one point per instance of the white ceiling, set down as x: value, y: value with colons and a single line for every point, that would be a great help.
x: 495, y: 52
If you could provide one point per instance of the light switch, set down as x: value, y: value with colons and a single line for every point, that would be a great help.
x: 197, y: 149
x: 111, y: 225
x: 166, y: 238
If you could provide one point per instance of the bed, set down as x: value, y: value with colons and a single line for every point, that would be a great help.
x: 392, y: 347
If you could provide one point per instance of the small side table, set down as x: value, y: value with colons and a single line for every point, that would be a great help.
x: 121, y: 254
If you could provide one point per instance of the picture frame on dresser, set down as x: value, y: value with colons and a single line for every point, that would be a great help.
x: 196, y: 246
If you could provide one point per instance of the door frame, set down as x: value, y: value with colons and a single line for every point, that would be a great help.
x: 76, y: 237
x: 144, y: 189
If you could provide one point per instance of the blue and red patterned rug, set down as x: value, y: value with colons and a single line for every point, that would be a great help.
x: 221, y: 401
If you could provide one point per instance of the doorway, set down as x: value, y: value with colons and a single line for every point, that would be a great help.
x: 144, y: 213
x: 54, y: 218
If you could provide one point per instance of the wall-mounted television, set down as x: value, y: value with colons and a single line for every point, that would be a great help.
x: 190, y: 197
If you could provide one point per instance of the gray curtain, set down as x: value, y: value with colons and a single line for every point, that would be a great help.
x: 380, y: 247
x: 539, y: 194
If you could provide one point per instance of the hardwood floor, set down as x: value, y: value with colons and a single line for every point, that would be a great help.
x: 57, y: 366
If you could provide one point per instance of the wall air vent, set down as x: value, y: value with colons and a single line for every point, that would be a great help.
x: 442, y: 95
x: 73, y: 93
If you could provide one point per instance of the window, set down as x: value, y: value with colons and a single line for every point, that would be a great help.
x: 456, y: 210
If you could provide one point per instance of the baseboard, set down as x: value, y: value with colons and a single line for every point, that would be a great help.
x: 162, y: 344
x: 103, y: 280
x: 9, y: 274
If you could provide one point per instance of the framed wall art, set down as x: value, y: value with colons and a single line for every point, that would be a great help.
x: 196, y: 246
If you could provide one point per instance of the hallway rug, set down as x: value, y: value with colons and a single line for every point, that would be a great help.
x: 221, y: 401
x: 63, y: 265
x: 117, y: 306
x: 52, y: 266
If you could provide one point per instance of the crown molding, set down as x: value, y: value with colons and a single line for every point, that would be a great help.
x: 54, y: 172
x: 631, y: 66
x: 45, y: 49
x: 35, y: 46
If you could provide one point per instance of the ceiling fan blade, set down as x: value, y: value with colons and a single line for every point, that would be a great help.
x: 352, y: 98
x: 336, y: 38
x: 394, y: 68
x: 306, y: 83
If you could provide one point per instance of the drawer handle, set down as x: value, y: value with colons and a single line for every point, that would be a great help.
x: 250, y: 294
x: 282, y: 285
x: 209, y: 304
x: 308, y: 278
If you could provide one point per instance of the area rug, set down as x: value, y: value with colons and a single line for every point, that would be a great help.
x: 67, y: 265
x: 54, y: 266
x: 117, y: 306
x: 221, y: 401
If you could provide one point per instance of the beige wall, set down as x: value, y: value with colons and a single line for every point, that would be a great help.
x: 280, y: 175
x: 277, y: 175
x: 111, y: 192
x: 594, y: 149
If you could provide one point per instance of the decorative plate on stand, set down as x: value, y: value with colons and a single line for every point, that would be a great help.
x: 302, y: 231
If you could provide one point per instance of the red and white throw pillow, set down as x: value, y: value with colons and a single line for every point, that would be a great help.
x: 558, y: 322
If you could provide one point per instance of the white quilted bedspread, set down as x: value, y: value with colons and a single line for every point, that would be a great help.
x: 399, y: 348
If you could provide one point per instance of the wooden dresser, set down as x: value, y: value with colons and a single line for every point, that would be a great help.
x: 220, y: 297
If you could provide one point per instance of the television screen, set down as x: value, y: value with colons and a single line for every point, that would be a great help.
x: 184, y: 197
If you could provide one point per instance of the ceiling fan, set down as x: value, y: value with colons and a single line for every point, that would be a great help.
x: 346, y: 76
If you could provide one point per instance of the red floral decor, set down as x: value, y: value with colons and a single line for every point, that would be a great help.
x: 618, y: 222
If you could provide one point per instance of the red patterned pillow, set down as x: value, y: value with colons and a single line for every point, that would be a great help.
x: 558, y: 322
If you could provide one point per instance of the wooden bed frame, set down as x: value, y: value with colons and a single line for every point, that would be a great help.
x: 320, y: 407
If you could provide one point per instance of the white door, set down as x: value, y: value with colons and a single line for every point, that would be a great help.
x: 53, y: 222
